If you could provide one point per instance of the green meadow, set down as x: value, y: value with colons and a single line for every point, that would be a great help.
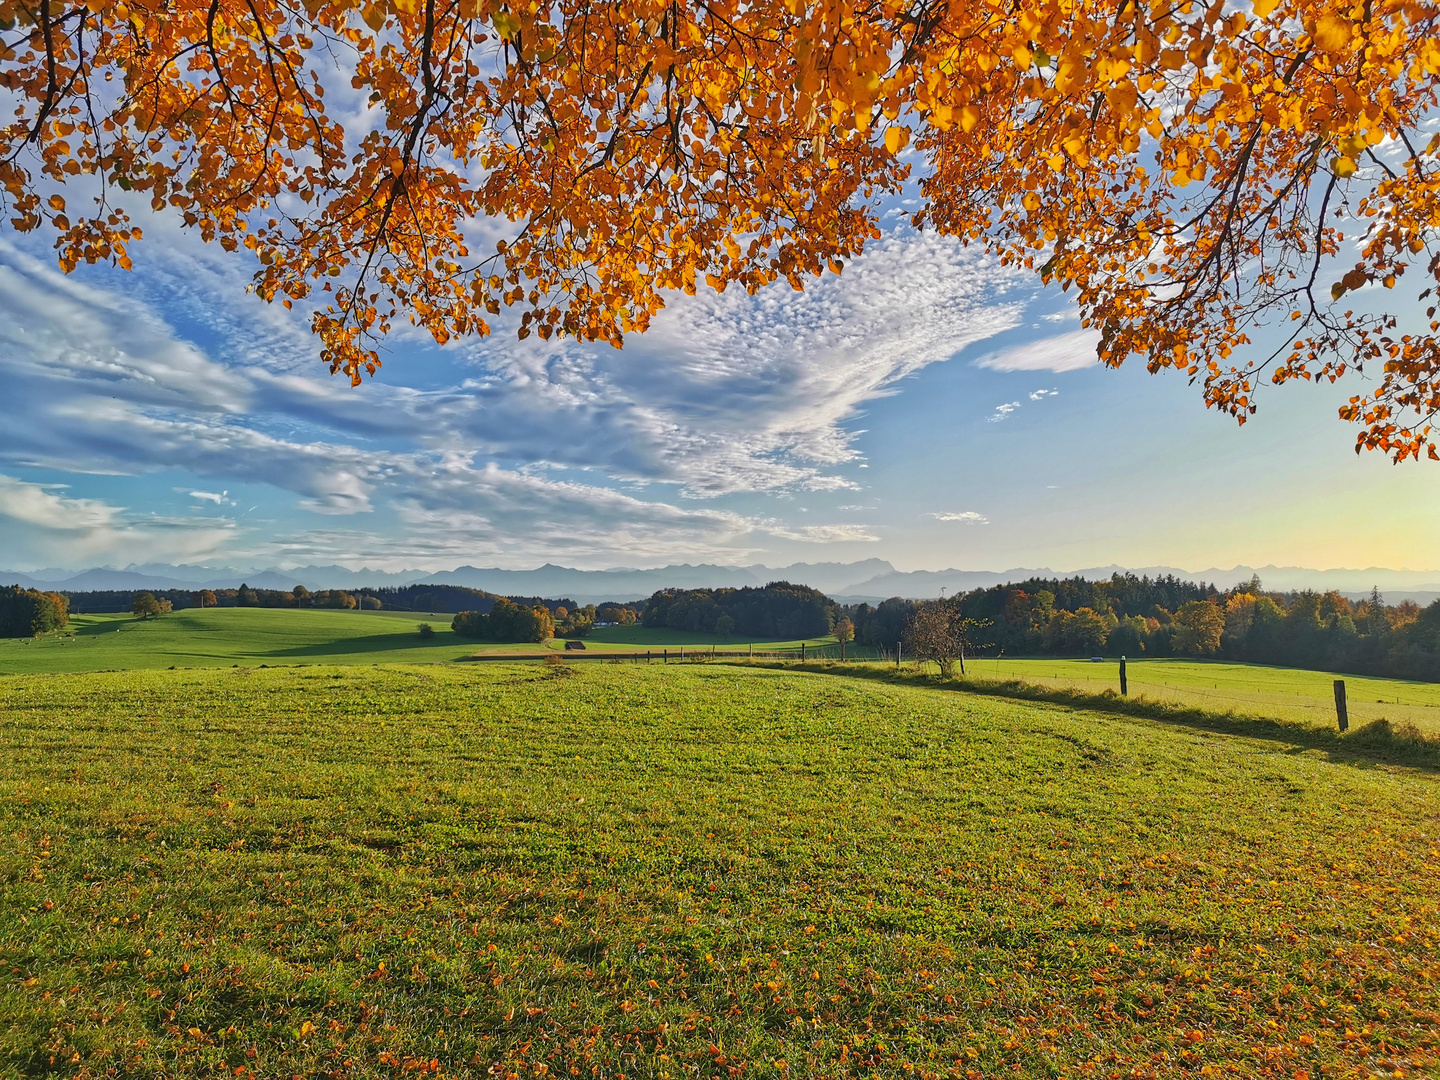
x: 1288, y: 694
x: 714, y: 870
x: 225, y: 636
x: 229, y: 637
x: 221, y: 637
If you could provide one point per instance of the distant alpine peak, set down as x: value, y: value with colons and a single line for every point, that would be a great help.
x: 868, y: 580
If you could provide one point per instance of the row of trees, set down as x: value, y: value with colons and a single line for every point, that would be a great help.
x: 779, y: 610
x: 30, y: 612
x: 1129, y: 616
x: 454, y: 598
x: 506, y: 621
x: 1060, y: 616
x: 1328, y: 631
x: 447, y: 598
x: 299, y: 596
x: 109, y: 600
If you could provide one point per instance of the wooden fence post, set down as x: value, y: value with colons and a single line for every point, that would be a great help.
x: 802, y: 652
x: 1341, y: 714
x: 898, y: 648
x: 1123, y: 686
x: 666, y: 658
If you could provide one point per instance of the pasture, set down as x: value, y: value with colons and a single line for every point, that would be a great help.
x: 703, y: 870
x: 222, y: 637
x: 216, y: 637
x: 1288, y: 694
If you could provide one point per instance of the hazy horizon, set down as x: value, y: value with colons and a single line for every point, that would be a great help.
x: 521, y: 567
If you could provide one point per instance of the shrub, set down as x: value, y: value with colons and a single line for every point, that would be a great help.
x: 426, y: 630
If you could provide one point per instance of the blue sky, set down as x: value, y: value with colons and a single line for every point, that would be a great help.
x: 927, y: 406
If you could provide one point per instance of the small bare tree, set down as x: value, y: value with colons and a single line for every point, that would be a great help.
x: 938, y: 634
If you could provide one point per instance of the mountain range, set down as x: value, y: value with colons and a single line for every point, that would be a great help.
x: 870, y: 580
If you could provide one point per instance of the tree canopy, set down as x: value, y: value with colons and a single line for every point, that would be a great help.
x: 779, y: 609
x: 30, y: 612
x: 1192, y: 170
x: 506, y: 621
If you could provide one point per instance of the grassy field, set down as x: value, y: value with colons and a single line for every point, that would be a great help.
x: 710, y: 870
x: 221, y: 637
x: 629, y: 638
x: 1248, y: 689
x: 226, y: 636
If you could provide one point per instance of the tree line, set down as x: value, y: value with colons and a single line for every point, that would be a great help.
x: 438, y: 598
x: 524, y: 618
x: 103, y: 601
x: 779, y: 610
x: 30, y: 612
x: 1143, y: 617
x: 453, y: 599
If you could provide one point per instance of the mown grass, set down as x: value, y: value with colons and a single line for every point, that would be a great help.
x: 709, y: 870
x: 222, y: 637
x: 1251, y: 689
x: 642, y: 637
x: 1379, y: 740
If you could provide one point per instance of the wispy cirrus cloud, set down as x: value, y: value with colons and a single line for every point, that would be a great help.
x: 732, y: 393
x: 1064, y: 352
x: 728, y: 394
x: 964, y: 517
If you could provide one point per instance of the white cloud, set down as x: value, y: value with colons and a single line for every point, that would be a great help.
x: 1065, y: 352
x: 727, y: 394
x: 35, y: 504
x: 967, y: 517
x: 1002, y: 411
x: 1041, y: 395
x: 43, y: 527
x: 823, y: 534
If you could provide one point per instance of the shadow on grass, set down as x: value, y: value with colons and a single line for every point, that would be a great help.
x: 1379, y: 742
x: 349, y: 646
x: 110, y: 626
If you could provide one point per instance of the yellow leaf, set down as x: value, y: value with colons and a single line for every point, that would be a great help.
x: 896, y: 138
x: 1263, y: 8
x: 1344, y: 166
x: 969, y: 117
x: 1332, y: 33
